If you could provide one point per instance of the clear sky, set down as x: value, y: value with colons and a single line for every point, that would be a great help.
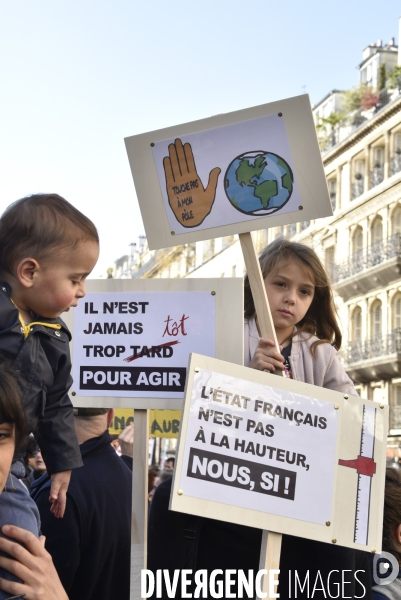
x: 78, y: 76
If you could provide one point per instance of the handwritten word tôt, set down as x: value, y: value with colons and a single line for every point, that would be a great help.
x: 173, y: 328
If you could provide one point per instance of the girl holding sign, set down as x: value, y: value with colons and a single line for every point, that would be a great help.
x: 304, y: 317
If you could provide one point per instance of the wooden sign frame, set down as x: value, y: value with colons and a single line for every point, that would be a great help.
x: 229, y: 330
x: 341, y: 521
x: 307, y: 166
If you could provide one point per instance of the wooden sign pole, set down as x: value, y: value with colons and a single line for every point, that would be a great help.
x: 271, y: 541
x: 139, y: 525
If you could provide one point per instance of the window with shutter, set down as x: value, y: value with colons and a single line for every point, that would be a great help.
x: 395, y: 409
x: 376, y: 320
x: 397, y: 312
x: 357, y: 324
x: 396, y: 221
x: 377, y: 231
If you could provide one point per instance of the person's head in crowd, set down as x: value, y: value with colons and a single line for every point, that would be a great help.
x: 169, y: 462
x: 91, y: 422
x: 40, y: 466
x: 152, y: 476
x: 392, y: 514
x: 30, y: 449
x: 164, y: 475
x: 47, y: 249
x: 13, y: 422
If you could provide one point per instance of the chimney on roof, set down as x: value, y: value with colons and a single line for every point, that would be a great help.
x: 392, y: 42
x: 379, y: 43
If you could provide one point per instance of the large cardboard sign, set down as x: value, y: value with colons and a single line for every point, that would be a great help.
x: 137, y: 344
x: 281, y: 455
x: 228, y: 174
x: 131, y: 339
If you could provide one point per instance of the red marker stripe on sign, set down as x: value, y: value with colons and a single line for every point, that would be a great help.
x: 133, y: 357
x: 363, y: 465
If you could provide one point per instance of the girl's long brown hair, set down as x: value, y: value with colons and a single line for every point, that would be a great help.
x: 392, y: 512
x: 321, y: 317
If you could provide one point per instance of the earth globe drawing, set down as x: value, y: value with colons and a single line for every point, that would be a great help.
x: 258, y: 183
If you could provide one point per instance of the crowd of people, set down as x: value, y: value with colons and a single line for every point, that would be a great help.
x: 66, y: 479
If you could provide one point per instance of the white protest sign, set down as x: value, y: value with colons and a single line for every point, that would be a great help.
x: 232, y: 173
x: 131, y: 338
x: 281, y: 455
x: 137, y: 344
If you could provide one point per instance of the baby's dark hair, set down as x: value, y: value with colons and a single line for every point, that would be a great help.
x: 40, y: 226
x: 320, y: 319
x: 11, y: 409
x: 392, y: 512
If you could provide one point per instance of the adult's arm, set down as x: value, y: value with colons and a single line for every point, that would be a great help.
x: 32, y: 564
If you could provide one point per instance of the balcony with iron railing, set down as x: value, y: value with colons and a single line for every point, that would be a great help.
x: 375, y: 358
x: 376, y: 175
x: 375, y: 267
x: 358, y: 187
x: 356, y: 119
x: 395, y: 162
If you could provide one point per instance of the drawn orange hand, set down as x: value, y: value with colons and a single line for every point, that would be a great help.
x: 189, y: 200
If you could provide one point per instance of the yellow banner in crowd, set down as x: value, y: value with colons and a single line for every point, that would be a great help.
x: 122, y: 418
x: 162, y: 423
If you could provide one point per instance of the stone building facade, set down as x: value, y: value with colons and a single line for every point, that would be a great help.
x: 360, y: 244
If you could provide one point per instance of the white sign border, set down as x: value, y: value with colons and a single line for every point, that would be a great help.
x: 229, y: 328
x: 305, y: 153
x: 340, y: 524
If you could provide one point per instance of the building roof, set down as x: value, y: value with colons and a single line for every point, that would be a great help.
x: 327, y: 96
